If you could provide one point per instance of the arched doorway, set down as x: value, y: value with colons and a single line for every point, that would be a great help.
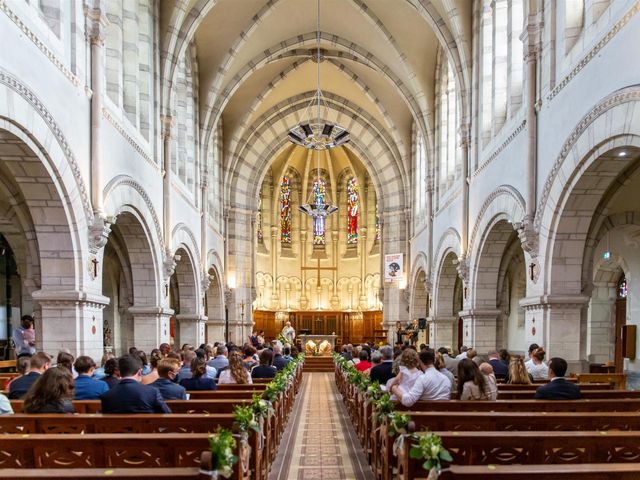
x: 214, y: 309
x: 188, y: 323
x: 444, y: 325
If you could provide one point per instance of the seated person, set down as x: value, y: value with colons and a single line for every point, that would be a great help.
x: 98, y: 373
x: 199, y: 379
x: 236, y: 373
x: 537, y: 368
x: 364, y: 365
x: 129, y: 395
x: 517, y: 374
x: 384, y: 371
x: 265, y: 369
x: 168, y: 369
x: 278, y: 359
x: 472, y: 384
x: 409, y: 372
x: 51, y: 393
x: 558, y: 388
x: 111, y: 372
x: 431, y: 385
x: 38, y: 364
x: 500, y: 367
x: 87, y: 388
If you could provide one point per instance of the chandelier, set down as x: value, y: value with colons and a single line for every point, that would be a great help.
x: 318, y: 135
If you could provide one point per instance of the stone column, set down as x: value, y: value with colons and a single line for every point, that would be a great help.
x: 166, y: 184
x: 191, y: 328
x: 70, y: 319
x: 554, y: 322
x: 150, y: 326
x: 394, y: 300
x: 95, y: 32
x: 441, y: 331
x: 601, y: 323
x: 479, y: 329
x: 240, y: 267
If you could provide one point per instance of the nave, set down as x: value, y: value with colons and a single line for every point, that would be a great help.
x: 320, y: 441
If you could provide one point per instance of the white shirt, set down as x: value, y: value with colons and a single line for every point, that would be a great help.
x: 461, y: 356
x: 408, y: 380
x: 538, y: 372
x: 225, y: 377
x: 431, y: 385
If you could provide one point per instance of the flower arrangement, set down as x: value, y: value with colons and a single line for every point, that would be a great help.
x: 245, y: 418
x: 261, y: 407
x: 383, y: 407
x: 221, y: 445
x: 397, y: 423
x: 430, y: 449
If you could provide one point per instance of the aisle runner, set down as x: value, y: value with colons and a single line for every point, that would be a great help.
x: 320, y: 442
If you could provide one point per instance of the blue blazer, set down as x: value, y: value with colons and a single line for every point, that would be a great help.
x: 558, y: 389
x: 88, y: 388
x: 201, y: 383
x: 170, y: 390
x: 21, y: 385
x: 280, y: 362
x: 129, y: 396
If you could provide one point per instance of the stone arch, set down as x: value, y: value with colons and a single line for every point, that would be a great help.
x: 48, y: 214
x: 585, y: 161
x: 419, y: 295
x: 449, y: 242
x: 251, y: 163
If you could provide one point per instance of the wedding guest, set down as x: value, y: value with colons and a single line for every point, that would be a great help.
x: 152, y: 376
x: 87, y: 388
x: 51, y: 393
x: 364, y: 365
x: 198, y: 380
x: 431, y: 385
x: 250, y: 357
x: 221, y: 360
x: 111, y: 373
x: 537, y: 368
x: 65, y: 360
x: 98, y: 373
x: 408, y: 374
x: 441, y: 366
x: 24, y: 337
x: 472, y: 384
x: 38, y: 364
x: 5, y: 405
x: 558, y: 388
x: 168, y: 369
x: 517, y: 373
x: 236, y: 373
x: 265, y: 369
x: 22, y: 366
x: 383, y: 372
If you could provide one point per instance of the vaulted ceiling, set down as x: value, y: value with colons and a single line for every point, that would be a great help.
x: 254, y: 57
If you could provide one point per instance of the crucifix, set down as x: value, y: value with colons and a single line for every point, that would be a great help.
x: 317, y: 268
x: 94, y: 266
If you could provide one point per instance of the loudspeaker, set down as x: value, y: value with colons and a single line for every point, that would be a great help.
x: 422, y: 323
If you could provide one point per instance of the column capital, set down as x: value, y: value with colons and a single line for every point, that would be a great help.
x: 166, y: 125
x: 96, y: 21
x: 567, y: 301
x: 53, y: 298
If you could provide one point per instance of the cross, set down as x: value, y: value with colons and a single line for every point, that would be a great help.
x: 318, y: 268
x: 532, y: 271
x: 94, y: 265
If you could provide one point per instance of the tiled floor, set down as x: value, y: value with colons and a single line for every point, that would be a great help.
x: 319, y: 442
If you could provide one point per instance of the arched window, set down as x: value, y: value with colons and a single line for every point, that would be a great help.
x: 449, y: 119
x: 259, y: 219
x: 285, y: 210
x: 500, y: 64
x: 319, y: 195
x: 353, y: 206
x: 622, y: 288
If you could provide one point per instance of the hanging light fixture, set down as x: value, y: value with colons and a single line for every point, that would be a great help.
x: 318, y: 136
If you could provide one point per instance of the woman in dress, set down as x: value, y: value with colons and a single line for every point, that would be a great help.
x: 409, y: 372
x: 236, y: 373
x: 52, y: 393
x: 537, y: 368
x: 472, y: 384
x: 517, y: 373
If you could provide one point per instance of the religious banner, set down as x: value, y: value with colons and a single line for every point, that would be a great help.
x: 393, y: 268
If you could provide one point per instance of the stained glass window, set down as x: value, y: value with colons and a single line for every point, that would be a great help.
x: 285, y: 211
x: 353, y: 202
x: 320, y: 194
x: 259, y: 218
x: 622, y: 288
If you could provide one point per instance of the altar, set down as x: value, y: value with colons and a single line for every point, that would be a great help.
x: 322, y: 344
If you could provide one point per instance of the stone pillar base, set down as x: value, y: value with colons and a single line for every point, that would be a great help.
x: 479, y: 329
x: 191, y: 329
x: 150, y: 326
x: 70, y: 319
x: 554, y: 322
x: 441, y: 331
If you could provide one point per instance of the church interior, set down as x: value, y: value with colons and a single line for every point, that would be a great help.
x: 332, y: 177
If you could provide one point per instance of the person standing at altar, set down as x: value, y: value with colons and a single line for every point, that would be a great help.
x: 412, y: 331
x: 289, y: 333
x: 399, y: 332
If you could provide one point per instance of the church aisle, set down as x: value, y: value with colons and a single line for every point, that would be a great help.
x: 319, y: 442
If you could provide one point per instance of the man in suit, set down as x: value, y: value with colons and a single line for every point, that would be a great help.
x: 221, y: 360
x: 383, y: 372
x: 129, y: 395
x: 38, y: 364
x: 450, y: 363
x: 558, y: 388
x: 87, y: 388
x: 168, y: 369
x: 278, y: 360
x: 265, y: 369
x: 500, y: 367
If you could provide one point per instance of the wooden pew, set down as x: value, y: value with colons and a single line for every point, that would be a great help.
x: 188, y: 473
x: 586, y: 394
x: 525, y: 448
x: 51, y: 451
x: 590, y: 471
x: 583, y: 386
x: 525, y: 421
x: 617, y: 379
x: 620, y: 405
x: 176, y: 406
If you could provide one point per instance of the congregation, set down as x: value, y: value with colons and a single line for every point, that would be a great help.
x: 411, y: 374
x: 135, y: 382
